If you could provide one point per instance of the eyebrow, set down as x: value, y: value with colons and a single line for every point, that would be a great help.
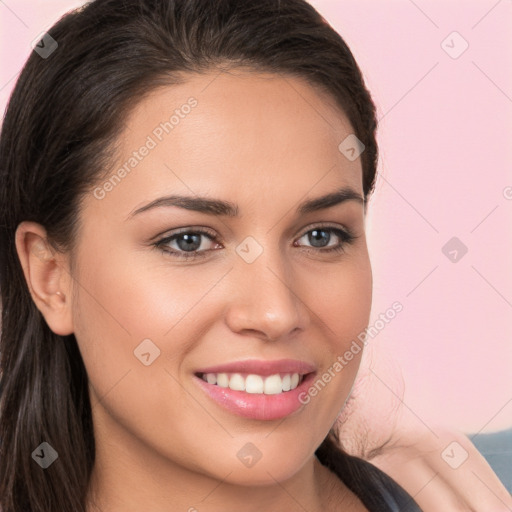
x: 211, y: 206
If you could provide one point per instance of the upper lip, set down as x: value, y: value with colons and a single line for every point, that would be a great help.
x: 261, y: 367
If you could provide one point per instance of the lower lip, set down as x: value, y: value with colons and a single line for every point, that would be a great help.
x: 257, y: 406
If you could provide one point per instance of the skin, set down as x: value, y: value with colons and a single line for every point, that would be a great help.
x: 266, y: 143
x: 402, y: 445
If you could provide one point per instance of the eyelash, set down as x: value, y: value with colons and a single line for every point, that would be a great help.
x: 346, y: 236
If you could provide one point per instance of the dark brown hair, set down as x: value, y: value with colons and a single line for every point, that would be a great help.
x: 61, y: 125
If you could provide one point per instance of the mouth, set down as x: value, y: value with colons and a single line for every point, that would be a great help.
x: 254, y: 383
x: 261, y: 390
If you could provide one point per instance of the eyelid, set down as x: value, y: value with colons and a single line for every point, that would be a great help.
x: 189, y: 229
x: 323, y: 225
x: 212, y: 233
x: 345, y: 235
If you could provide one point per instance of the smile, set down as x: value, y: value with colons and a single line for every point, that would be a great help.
x: 253, y: 383
x: 255, y: 389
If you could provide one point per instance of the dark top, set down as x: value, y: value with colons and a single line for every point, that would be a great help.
x: 378, y: 491
x: 375, y: 489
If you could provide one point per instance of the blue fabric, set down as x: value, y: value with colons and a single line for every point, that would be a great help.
x: 496, y: 447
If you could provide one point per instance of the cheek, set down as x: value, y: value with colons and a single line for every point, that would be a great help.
x: 341, y: 306
x: 127, y: 309
x: 128, y: 300
x: 122, y: 313
x: 341, y: 300
x: 117, y: 306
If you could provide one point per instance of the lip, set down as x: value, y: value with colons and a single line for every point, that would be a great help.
x: 262, y: 367
x: 254, y: 405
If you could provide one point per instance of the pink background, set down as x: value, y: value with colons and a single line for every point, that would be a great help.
x: 446, y: 151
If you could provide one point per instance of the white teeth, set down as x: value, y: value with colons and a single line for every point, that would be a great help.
x: 222, y: 380
x: 211, y: 378
x: 252, y: 383
x: 237, y: 382
x: 273, y: 385
x: 286, y: 383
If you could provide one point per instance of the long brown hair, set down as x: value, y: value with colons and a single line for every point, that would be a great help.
x: 63, y: 119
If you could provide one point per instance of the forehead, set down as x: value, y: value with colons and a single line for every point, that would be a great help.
x: 235, y: 133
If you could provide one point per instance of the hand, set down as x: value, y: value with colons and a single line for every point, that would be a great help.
x: 376, y: 426
x: 414, y: 460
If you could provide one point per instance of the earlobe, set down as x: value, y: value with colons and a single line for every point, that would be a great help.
x: 47, y: 276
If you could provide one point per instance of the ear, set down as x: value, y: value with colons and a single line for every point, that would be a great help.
x: 47, y: 274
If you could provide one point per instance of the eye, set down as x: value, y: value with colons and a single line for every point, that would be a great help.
x: 320, y: 237
x: 189, y: 241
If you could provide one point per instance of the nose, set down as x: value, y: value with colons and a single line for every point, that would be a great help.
x: 265, y: 298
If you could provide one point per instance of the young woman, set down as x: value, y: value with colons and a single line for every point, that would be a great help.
x: 184, y: 270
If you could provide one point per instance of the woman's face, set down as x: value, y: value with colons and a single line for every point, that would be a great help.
x: 259, y: 296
